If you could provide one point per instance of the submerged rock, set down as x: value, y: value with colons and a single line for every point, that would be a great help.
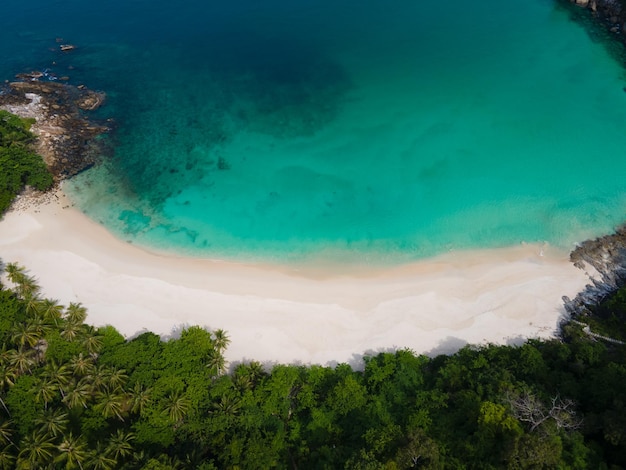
x: 90, y: 100
x: 65, y: 135
x: 609, y: 12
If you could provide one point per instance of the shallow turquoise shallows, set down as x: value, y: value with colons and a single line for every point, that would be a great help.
x: 376, y: 131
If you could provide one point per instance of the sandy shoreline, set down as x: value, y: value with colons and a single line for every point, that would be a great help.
x: 280, y: 314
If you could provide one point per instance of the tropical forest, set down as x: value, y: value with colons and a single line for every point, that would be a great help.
x: 78, y: 397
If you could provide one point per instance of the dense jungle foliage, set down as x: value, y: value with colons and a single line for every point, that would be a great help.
x: 609, y: 318
x: 75, y: 396
x: 19, y: 165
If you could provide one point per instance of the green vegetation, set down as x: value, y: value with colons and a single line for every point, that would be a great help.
x: 609, y: 318
x: 19, y: 165
x: 74, y: 396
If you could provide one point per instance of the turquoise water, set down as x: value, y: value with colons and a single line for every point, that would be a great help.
x: 281, y: 130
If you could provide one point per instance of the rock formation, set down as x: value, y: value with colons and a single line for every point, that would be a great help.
x: 607, y: 256
x: 65, y: 135
x: 611, y: 13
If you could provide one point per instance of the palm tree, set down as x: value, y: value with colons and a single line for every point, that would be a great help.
x: 78, y: 395
x: 247, y: 376
x: 241, y: 379
x: 166, y: 461
x: 111, y: 404
x: 139, y: 398
x: 216, y: 363
x: 117, y: 378
x: 256, y: 371
x: 7, y: 379
x: 75, y: 313
x: 99, y: 378
x: 81, y: 365
x: 5, y: 354
x: 22, y: 360
x: 7, y: 372
x: 32, y: 305
x: 73, y: 452
x: 15, y: 273
x: 120, y: 444
x: 7, y: 459
x: 53, y: 422
x: 71, y: 330
x: 26, y: 334
x: 242, y: 383
x: 93, y: 344
x: 12, y: 269
x: 6, y: 432
x: 140, y: 459
x: 28, y: 288
x: 228, y: 405
x: 220, y: 340
x: 39, y: 326
x: 36, y: 450
x: 176, y: 407
x: 98, y: 460
x: 45, y: 391
x: 50, y: 310
x: 59, y: 374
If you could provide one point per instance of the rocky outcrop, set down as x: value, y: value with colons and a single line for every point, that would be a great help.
x: 65, y: 134
x: 610, y: 13
x: 607, y: 257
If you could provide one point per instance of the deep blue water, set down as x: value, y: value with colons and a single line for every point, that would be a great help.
x: 285, y: 129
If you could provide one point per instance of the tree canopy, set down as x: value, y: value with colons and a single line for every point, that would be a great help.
x: 92, y: 399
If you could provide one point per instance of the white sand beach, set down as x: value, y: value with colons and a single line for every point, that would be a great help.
x: 283, y: 314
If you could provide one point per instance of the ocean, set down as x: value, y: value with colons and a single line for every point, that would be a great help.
x: 368, y: 131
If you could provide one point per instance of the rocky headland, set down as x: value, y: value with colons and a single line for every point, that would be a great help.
x: 604, y: 259
x: 66, y: 135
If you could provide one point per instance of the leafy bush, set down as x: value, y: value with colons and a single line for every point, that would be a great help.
x: 19, y: 165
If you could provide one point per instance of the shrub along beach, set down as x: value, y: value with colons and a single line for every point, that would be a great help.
x: 20, y: 165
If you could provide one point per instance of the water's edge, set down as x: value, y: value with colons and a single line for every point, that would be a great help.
x: 602, y: 10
